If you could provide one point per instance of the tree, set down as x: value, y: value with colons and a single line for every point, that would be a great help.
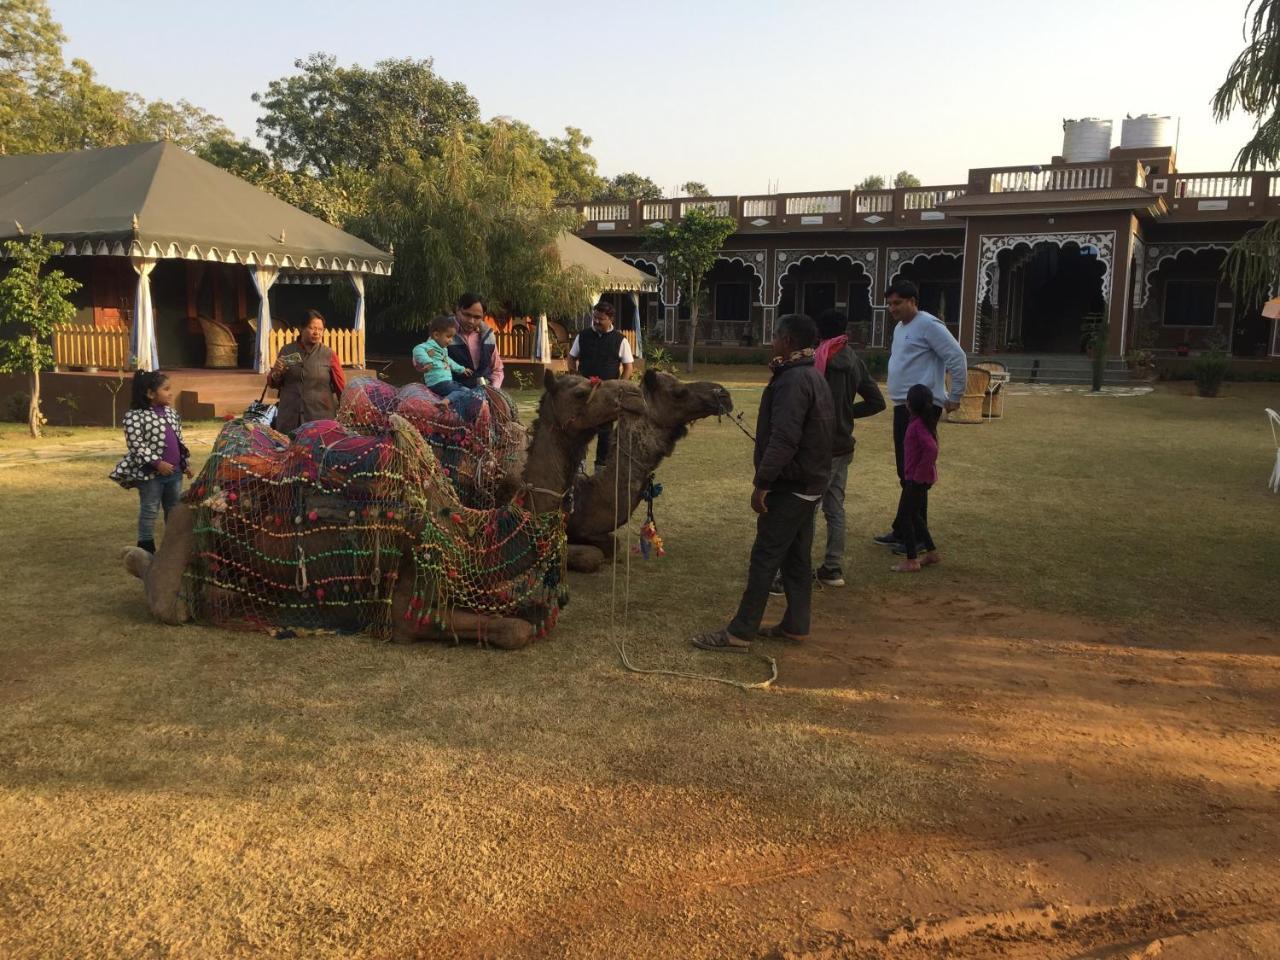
x: 32, y: 303
x: 470, y: 219
x: 906, y: 179
x: 694, y: 189
x: 873, y: 182
x: 49, y: 105
x: 628, y: 186
x: 688, y: 248
x: 1252, y: 84
x: 573, y: 169
x: 327, y: 117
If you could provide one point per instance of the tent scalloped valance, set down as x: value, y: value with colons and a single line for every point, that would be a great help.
x: 175, y: 251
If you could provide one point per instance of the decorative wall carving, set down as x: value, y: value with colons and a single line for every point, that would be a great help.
x: 865, y: 257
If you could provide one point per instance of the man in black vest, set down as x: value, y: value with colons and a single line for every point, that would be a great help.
x: 602, y: 351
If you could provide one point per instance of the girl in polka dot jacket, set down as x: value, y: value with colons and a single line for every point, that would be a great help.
x: 157, y: 458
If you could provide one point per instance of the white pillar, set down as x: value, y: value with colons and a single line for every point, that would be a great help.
x: 263, y: 277
x: 142, y: 340
x: 357, y: 281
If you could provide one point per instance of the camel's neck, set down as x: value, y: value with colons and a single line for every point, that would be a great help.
x: 554, y: 455
x: 638, y: 447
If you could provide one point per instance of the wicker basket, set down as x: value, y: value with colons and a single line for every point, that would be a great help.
x: 993, y: 405
x: 220, y: 349
x: 976, y: 387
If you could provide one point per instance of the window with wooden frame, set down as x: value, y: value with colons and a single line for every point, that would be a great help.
x: 1190, y: 303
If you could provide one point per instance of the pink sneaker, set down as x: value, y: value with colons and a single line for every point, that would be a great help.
x: 906, y: 566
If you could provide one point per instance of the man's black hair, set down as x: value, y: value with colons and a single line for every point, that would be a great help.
x: 469, y: 300
x: 832, y: 323
x: 605, y: 307
x: 904, y: 289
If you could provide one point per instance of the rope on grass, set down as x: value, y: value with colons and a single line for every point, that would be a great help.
x: 619, y: 636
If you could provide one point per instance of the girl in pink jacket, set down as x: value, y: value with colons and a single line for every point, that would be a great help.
x: 919, y: 473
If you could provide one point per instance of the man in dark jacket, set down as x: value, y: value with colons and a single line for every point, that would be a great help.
x: 854, y: 394
x: 793, y: 467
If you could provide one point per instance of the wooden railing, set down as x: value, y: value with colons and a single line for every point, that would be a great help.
x: 347, y: 344
x: 516, y: 343
x: 80, y: 346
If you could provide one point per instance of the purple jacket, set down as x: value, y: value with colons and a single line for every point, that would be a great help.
x: 919, y: 454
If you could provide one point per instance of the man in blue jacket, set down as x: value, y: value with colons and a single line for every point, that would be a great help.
x: 793, y: 466
x: 923, y: 351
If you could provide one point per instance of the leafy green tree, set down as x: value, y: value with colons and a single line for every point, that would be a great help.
x: 49, y: 105
x: 326, y: 117
x: 32, y: 302
x: 906, y: 179
x: 694, y: 188
x: 628, y: 186
x: 572, y: 167
x: 236, y: 156
x: 873, y: 182
x: 1252, y: 84
x: 688, y: 248
x: 470, y: 218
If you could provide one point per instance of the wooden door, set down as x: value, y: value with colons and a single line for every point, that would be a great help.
x: 112, y: 293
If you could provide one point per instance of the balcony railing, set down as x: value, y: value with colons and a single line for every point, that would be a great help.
x: 601, y: 212
x: 1212, y: 186
x: 1203, y: 196
x: 808, y: 204
x: 656, y: 211
x: 719, y: 206
x: 756, y: 207
x: 929, y: 199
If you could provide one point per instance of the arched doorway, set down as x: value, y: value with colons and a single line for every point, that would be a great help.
x: 938, y: 276
x: 1044, y: 297
x: 819, y: 283
x: 1188, y: 303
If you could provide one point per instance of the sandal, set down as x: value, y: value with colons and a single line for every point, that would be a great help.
x: 721, y: 641
x: 777, y: 633
x: 906, y: 566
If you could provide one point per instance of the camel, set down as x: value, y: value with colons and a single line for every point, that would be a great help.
x: 570, y: 411
x: 605, y: 501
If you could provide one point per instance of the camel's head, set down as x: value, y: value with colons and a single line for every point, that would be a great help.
x: 670, y: 402
x: 576, y: 404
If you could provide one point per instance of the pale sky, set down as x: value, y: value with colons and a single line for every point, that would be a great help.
x: 812, y: 94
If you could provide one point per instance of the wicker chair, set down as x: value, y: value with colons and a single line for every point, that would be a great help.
x: 220, y: 349
x: 993, y: 404
x: 976, y: 387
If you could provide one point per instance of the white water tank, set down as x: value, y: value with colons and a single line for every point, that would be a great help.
x: 1087, y: 140
x: 1147, y: 130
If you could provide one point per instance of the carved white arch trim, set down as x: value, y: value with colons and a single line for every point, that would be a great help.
x: 865, y: 257
x: 1159, y: 253
x: 899, y: 257
x: 651, y: 260
x: 757, y: 261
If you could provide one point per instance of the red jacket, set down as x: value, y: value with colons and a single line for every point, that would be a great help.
x: 919, y: 454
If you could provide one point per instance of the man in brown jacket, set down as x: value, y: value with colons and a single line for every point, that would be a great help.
x: 793, y: 466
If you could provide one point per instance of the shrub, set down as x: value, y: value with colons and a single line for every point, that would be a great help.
x: 1209, y: 370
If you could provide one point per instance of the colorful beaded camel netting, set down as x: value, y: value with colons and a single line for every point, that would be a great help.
x: 354, y: 520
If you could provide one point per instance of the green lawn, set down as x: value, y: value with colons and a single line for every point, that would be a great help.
x: 198, y: 792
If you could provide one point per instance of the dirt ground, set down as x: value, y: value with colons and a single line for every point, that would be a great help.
x: 1122, y: 803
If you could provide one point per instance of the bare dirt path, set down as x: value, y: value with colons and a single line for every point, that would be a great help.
x: 1122, y: 802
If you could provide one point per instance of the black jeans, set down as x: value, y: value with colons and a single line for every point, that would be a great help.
x: 913, y: 507
x: 784, y: 540
x: 901, y: 417
x: 604, y: 440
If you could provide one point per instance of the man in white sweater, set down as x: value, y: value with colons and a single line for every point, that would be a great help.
x: 923, y: 351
